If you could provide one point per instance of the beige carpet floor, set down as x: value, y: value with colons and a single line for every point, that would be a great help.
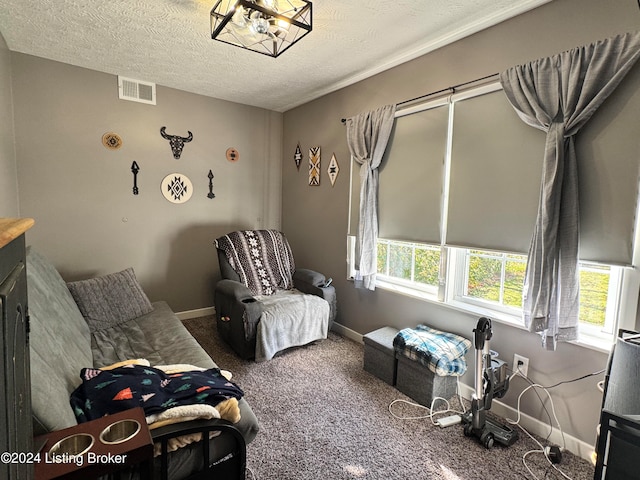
x: 323, y: 417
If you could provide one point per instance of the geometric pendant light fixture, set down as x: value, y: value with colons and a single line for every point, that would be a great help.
x: 265, y: 26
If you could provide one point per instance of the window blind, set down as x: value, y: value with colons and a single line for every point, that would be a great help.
x: 608, y: 153
x: 495, y: 175
x: 411, y: 173
x: 496, y: 162
x: 496, y: 167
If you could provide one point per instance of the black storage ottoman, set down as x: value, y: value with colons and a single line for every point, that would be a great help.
x: 421, y: 384
x: 379, y: 354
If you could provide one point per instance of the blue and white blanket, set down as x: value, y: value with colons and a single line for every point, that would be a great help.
x: 104, y: 392
x: 441, y: 352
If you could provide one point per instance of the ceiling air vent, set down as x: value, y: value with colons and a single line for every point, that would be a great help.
x: 136, y: 90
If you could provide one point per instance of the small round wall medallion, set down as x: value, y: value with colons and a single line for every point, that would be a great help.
x: 176, y: 187
x: 233, y: 155
x: 111, y: 140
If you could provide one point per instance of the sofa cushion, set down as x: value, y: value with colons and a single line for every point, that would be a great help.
x: 110, y: 300
x: 60, y: 345
x: 158, y: 336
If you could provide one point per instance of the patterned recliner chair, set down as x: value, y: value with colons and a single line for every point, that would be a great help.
x: 263, y: 303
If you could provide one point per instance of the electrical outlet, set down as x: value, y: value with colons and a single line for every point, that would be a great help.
x: 520, y: 363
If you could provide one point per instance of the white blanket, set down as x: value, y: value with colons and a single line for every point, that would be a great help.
x: 290, y: 319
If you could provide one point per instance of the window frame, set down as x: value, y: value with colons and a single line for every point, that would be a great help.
x: 596, y: 334
x: 623, y: 295
x: 456, y: 276
x: 461, y: 277
x: 404, y: 283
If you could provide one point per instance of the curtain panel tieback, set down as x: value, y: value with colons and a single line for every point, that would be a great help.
x: 367, y: 137
x: 567, y: 88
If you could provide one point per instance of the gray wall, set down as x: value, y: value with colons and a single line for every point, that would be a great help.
x: 80, y: 194
x: 8, y: 172
x: 315, y: 218
x: 89, y: 223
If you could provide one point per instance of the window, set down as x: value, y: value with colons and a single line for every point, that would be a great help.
x: 494, y: 277
x: 459, y: 187
x: 493, y: 281
x: 411, y: 264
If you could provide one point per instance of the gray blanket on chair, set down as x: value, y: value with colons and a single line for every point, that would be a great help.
x: 290, y: 319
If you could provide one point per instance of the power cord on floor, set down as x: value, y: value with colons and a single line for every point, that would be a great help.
x: 430, y: 409
x: 253, y: 475
x: 543, y: 450
x: 517, y: 373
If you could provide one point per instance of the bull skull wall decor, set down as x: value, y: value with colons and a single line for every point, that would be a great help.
x: 177, y: 142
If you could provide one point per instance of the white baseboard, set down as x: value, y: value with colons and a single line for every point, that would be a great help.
x: 347, y: 332
x: 535, y: 426
x: 199, y: 312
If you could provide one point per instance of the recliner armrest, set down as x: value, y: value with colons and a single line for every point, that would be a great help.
x: 312, y: 282
x: 309, y: 276
x: 235, y: 290
x: 238, y: 313
x: 237, y: 295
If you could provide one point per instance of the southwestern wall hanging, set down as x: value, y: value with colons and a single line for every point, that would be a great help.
x: 297, y: 157
x: 135, y: 169
x: 333, y: 169
x: 211, y: 195
x: 314, y: 166
x: 232, y: 155
x: 177, y: 142
x: 111, y: 140
x: 176, y: 187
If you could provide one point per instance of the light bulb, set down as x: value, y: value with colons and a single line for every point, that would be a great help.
x: 259, y: 24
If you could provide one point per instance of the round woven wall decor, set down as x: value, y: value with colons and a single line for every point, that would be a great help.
x: 233, y: 155
x: 111, y: 140
x: 176, y: 187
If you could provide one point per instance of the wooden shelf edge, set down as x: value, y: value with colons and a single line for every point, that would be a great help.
x: 12, y: 228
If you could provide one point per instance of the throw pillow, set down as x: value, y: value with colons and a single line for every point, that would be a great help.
x: 110, y: 300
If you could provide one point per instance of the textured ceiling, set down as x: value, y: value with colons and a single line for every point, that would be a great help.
x: 168, y: 42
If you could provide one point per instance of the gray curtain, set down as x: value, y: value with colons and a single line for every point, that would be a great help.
x: 559, y: 95
x: 367, y: 136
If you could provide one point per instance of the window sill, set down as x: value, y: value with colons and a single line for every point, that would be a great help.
x: 599, y: 343
x: 406, y: 290
x: 594, y: 342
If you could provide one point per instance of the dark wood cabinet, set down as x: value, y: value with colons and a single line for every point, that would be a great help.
x: 16, y: 431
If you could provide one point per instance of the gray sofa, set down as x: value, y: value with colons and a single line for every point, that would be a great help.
x: 61, y: 344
